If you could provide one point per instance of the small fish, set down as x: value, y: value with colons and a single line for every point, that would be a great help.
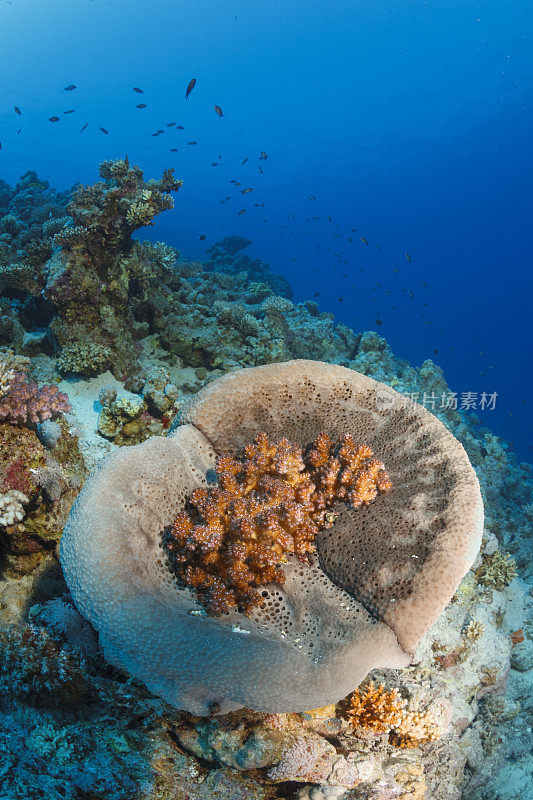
x: 104, y: 131
x: 242, y: 211
x: 260, y: 170
x: 170, y: 124
x: 219, y: 111
x: 180, y: 128
x: 244, y: 161
x: 202, y: 237
x: 136, y: 89
x: 316, y: 294
x: 379, y: 322
x: 436, y: 351
x: 173, y: 149
x: 312, y: 197
x: 70, y: 111
x: 246, y: 191
x: 214, y: 163
x: 53, y: 119
x: 263, y: 156
x: 192, y: 142
x: 364, y: 240
x: 17, y: 110
x: 396, y: 269
x: 408, y: 257
x: 83, y: 127
x: 190, y: 87
x: 141, y: 105
x: 70, y: 87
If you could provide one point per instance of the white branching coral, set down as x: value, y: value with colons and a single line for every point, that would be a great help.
x: 12, y: 505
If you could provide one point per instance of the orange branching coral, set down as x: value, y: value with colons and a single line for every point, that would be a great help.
x: 374, y: 709
x: 269, y: 504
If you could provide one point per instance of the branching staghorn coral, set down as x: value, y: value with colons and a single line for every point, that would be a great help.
x: 269, y: 504
x: 497, y: 570
x: 376, y: 710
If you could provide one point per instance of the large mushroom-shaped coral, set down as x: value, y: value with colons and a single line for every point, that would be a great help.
x: 382, y: 573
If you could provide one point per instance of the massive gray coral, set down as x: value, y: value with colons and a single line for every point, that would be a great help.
x: 383, y: 574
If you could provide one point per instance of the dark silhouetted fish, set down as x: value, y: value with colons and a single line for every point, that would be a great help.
x: 70, y: 87
x: 83, y: 127
x: 53, y: 119
x: 219, y: 111
x: 70, y: 111
x: 180, y: 128
x: 104, y: 131
x: 17, y: 110
x: 364, y: 240
x: 246, y: 191
x: 170, y: 124
x: 141, y: 105
x: 408, y: 257
x: 202, y: 237
x: 260, y: 170
x: 192, y: 142
x: 136, y: 89
x: 242, y: 211
x: 316, y: 294
x: 263, y: 156
x: 312, y: 197
x: 173, y: 149
x: 244, y: 161
x: 190, y: 87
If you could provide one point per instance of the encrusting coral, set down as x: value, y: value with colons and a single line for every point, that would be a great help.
x: 267, y: 505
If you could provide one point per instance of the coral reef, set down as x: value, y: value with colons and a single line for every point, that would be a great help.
x: 88, y: 280
x: 226, y: 256
x: 267, y: 505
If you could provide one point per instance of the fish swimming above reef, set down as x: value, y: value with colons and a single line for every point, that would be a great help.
x: 190, y: 87
x: 246, y: 191
x: 70, y: 111
x: 83, y: 127
x: 241, y: 212
x: 219, y: 111
x: 70, y: 87
x: 408, y: 257
x: 17, y: 110
x: 104, y: 131
x: 263, y: 156
x: 53, y: 119
x: 141, y: 105
x: 139, y: 91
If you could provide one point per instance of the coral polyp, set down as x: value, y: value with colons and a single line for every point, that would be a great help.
x: 267, y: 505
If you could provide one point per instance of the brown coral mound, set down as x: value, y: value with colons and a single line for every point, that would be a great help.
x: 267, y: 505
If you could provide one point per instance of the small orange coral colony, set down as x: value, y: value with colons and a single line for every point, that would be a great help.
x: 376, y: 710
x: 267, y: 505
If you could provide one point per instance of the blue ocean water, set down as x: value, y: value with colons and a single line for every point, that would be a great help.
x: 397, y: 183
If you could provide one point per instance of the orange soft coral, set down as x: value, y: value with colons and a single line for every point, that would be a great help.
x: 267, y: 505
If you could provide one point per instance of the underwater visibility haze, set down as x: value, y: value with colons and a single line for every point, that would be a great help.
x: 265, y: 392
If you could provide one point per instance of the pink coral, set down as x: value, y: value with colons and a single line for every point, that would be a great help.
x: 27, y: 403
